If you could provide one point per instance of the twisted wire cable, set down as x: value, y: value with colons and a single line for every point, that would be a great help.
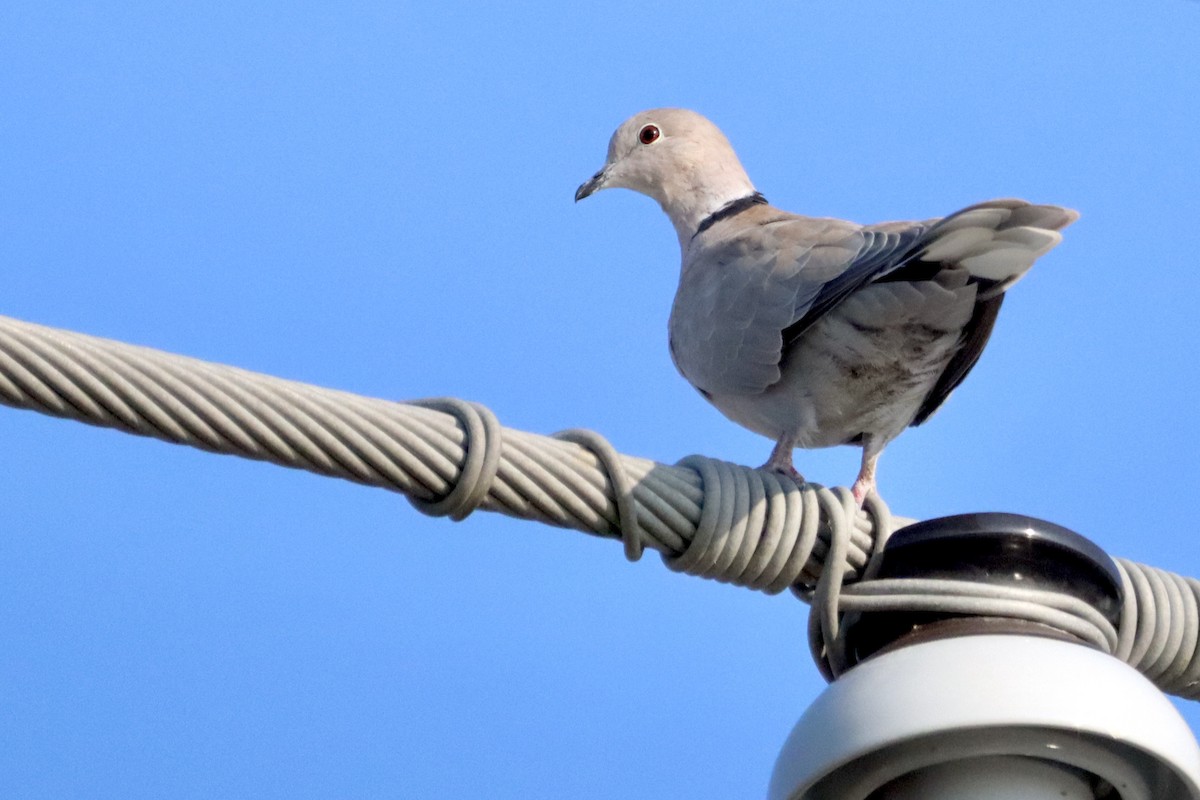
x: 1158, y: 632
x: 448, y: 456
x: 706, y: 517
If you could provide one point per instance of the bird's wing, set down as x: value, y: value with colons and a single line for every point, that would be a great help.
x: 742, y: 296
x: 974, y: 339
x: 997, y: 242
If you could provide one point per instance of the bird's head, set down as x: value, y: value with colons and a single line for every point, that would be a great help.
x: 678, y: 158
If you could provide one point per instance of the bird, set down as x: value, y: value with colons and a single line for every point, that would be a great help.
x: 816, y: 332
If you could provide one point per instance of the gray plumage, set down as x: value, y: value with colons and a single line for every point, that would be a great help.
x: 816, y: 332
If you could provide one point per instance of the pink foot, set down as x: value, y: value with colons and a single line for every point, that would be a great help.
x: 780, y: 461
x: 861, y: 489
x: 784, y: 469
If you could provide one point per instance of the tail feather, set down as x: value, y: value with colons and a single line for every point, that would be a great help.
x: 998, y: 240
x: 1053, y: 218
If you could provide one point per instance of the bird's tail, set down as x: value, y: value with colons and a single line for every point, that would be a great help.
x: 997, y: 241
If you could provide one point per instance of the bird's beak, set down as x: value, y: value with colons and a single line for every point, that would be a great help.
x: 591, y: 185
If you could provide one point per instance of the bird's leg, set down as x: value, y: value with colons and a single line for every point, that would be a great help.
x: 781, y: 458
x: 864, y: 484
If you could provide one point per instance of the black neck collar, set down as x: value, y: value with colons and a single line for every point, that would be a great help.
x: 730, y: 209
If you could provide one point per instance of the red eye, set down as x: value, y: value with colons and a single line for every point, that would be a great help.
x: 649, y: 134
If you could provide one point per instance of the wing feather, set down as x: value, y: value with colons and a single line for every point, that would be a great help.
x: 740, y: 301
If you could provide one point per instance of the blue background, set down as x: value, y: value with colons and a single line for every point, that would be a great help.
x: 377, y: 197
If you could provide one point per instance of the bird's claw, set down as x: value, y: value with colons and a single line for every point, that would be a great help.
x: 787, y: 470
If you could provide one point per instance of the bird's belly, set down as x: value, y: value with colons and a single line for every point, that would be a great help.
x: 846, y: 376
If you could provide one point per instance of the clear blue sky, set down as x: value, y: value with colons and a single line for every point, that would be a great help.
x: 378, y: 197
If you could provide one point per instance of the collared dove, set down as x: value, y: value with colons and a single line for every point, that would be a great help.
x: 817, y: 332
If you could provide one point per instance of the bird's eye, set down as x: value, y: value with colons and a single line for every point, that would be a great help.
x: 649, y: 134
